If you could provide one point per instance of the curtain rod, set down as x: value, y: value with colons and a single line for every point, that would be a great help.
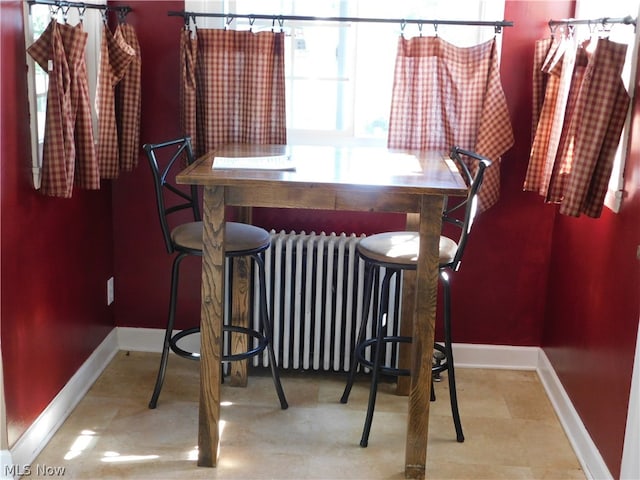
x: 402, y: 21
x: 628, y: 20
x: 81, y: 5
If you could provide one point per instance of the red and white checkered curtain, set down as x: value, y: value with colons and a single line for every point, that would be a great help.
x: 188, y: 54
x: 444, y: 95
x: 69, y: 155
x: 235, y: 89
x: 116, y: 56
x: 579, y: 125
x: 128, y: 96
x: 72, y: 154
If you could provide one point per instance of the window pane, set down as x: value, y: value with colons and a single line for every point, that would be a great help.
x: 374, y: 61
x: 312, y: 105
x: 40, y: 18
x: 313, y: 52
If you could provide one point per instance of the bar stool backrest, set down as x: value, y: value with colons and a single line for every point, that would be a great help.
x: 166, y: 159
x: 478, y: 164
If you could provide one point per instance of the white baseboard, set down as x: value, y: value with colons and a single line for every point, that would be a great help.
x: 466, y: 355
x: 588, y: 455
x: 469, y: 355
x: 30, y: 444
x: 35, y: 438
x: 140, y: 339
x: 151, y: 340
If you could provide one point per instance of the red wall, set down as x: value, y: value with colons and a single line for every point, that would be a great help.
x: 56, y: 257
x: 141, y: 263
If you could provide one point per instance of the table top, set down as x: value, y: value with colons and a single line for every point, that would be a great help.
x: 415, y: 172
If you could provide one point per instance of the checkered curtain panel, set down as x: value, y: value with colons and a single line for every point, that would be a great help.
x: 444, y: 95
x: 542, y: 49
x: 188, y: 55
x: 60, y: 53
x: 72, y: 154
x: 128, y: 103
x: 115, y: 56
x: 236, y: 89
x: 579, y: 125
x: 562, y: 76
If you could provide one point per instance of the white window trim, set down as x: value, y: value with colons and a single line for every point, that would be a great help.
x: 36, y: 160
x: 615, y: 193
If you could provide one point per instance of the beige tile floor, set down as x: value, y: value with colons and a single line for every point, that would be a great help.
x: 511, y: 429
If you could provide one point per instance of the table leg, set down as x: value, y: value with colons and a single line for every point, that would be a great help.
x: 406, y: 327
x: 238, y: 376
x: 423, y: 336
x: 212, y: 315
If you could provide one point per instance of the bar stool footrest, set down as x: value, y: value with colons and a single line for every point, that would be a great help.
x: 259, y: 348
x: 385, y: 369
x: 173, y: 343
x: 262, y: 343
x: 437, y: 368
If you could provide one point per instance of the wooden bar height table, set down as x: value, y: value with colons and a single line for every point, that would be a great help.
x: 329, y: 178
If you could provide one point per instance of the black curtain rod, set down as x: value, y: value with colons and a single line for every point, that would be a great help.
x: 80, y: 5
x: 628, y: 20
x: 402, y: 21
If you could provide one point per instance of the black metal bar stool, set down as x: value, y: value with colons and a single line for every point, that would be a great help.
x: 398, y: 251
x: 241, y: 240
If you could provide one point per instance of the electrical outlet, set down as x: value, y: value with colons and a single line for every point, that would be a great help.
x: 110, y: 291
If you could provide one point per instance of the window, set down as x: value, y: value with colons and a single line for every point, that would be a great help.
x: 622, y: 34
x: 340, y: 75
x: 37, y: 18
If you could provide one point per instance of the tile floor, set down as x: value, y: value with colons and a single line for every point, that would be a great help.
x: 511, y: 429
